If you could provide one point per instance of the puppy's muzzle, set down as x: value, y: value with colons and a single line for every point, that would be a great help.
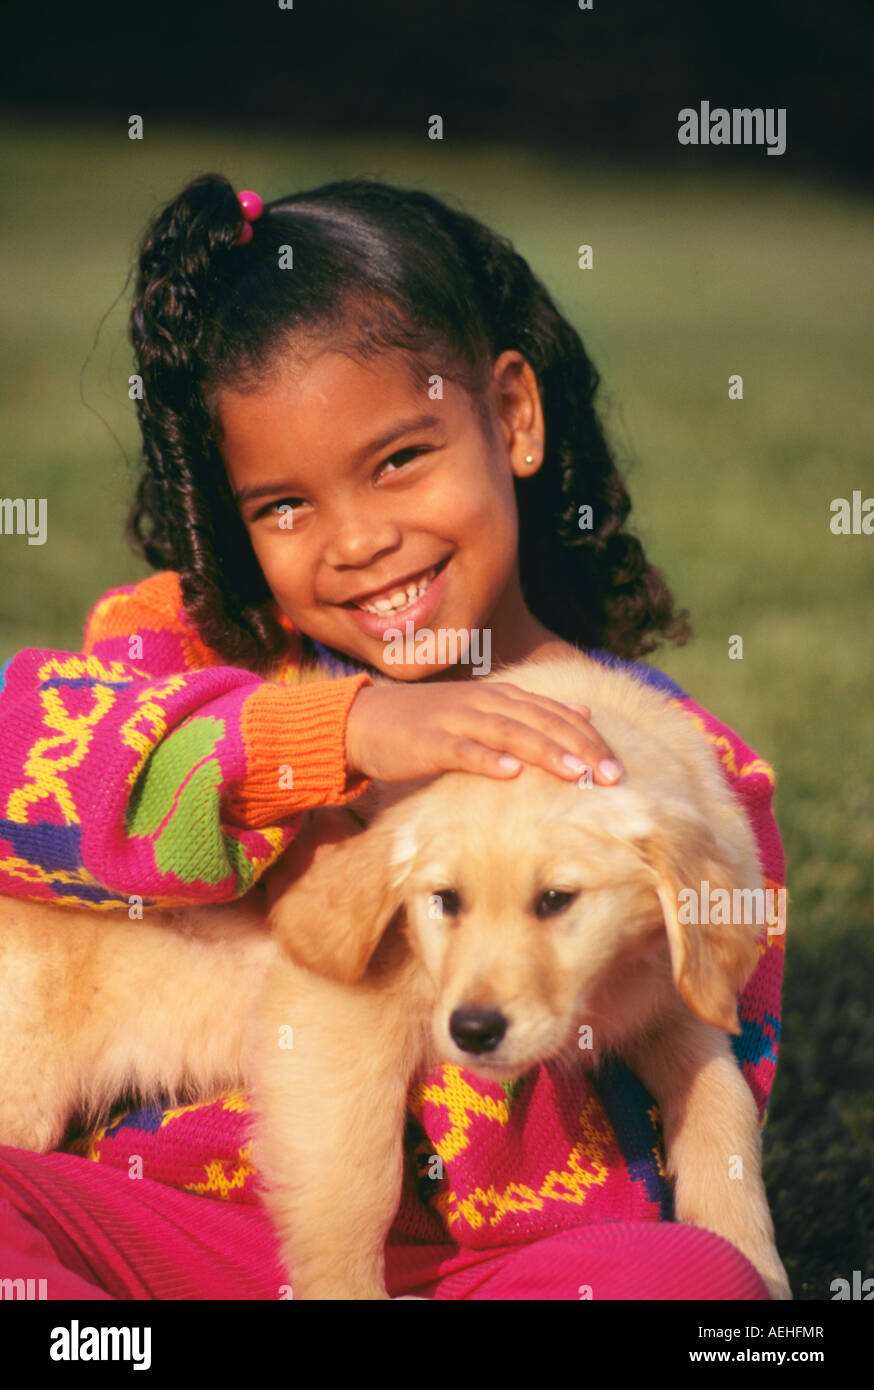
x: 477, y: 1030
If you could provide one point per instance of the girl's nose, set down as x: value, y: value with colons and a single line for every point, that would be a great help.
x: 360, y: 539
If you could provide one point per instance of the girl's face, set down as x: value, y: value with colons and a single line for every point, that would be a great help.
x: 357, y: 489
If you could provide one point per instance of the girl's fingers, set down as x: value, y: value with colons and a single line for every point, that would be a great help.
x: 555, y: 745
x: 469, y: 755
x: 515, y: 692
x: 568, y: 729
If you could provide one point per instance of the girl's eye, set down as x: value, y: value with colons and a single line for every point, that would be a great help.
x: 407, y: 455
x: 274, y: 509
x: 278, y: 509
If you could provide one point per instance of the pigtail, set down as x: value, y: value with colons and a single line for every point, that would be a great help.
x: 185, y: 270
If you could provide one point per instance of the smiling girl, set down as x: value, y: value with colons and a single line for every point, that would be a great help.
x: 362, y: 415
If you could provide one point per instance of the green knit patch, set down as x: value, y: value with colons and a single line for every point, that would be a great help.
x: 166, y: 770
x: 190, y: 844
x: 240, y: 862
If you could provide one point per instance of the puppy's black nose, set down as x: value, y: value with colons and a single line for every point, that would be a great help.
x: 477, y: 1030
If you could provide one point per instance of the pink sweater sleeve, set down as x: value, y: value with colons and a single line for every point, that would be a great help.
x: 143, y: 766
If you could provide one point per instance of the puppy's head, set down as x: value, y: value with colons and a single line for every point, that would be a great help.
x: 522, y: 899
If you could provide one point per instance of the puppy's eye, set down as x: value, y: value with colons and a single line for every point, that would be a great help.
x: 553, y: 901
x: 446, y: 903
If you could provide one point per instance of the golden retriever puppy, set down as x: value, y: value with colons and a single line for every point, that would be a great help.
x: 480, y: 922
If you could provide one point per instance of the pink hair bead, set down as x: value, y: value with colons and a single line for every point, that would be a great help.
x: 252, y: 208
x: 251, y: 204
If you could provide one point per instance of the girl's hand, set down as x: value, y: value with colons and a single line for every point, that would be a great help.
x: 396, y: 733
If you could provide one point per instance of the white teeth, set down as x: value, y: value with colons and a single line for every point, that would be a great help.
x: 401, y: 598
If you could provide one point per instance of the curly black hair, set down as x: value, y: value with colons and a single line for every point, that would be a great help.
x: 379, y: 267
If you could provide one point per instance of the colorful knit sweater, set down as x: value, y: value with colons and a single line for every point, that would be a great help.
x: 144, y: 766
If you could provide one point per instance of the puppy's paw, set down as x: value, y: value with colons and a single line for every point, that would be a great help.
x: 775, y: 1279
x: 769, y: 1267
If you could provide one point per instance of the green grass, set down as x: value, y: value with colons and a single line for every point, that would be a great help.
x: 695, y: 278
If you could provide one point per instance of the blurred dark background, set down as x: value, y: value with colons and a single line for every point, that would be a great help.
x: 607, y: 82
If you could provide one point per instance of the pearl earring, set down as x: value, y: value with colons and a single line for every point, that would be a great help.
x: 529, y: 458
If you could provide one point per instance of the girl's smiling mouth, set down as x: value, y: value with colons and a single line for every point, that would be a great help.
x: 410, y: 600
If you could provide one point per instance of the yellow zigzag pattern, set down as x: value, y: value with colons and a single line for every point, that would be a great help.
x: 141, y: 742
x: 221, y: 1182
x: 725, y: 749
x: 571, y: 1183
x: 73, y: 733
x: 231, y: 1100
x: 462, y: 1103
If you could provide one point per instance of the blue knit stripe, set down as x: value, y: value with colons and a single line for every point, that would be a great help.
x: 339, y: 664
x: 648, y: 674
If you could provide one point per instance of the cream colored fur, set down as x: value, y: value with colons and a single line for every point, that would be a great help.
x: 93, y: 1006
x: 366, y: 972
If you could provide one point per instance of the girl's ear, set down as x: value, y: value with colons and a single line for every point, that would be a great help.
x: 332, y: 918
x: 695, y: 879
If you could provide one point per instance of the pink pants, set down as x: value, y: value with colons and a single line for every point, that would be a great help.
x: 93, y: 1232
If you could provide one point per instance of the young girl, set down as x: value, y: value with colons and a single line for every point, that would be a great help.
x: 361, y: 414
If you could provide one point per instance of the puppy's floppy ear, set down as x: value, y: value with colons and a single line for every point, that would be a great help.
x: 332, y: 918
x: 711, y: 961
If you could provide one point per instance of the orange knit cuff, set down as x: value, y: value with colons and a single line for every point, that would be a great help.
x: 296, y: 751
